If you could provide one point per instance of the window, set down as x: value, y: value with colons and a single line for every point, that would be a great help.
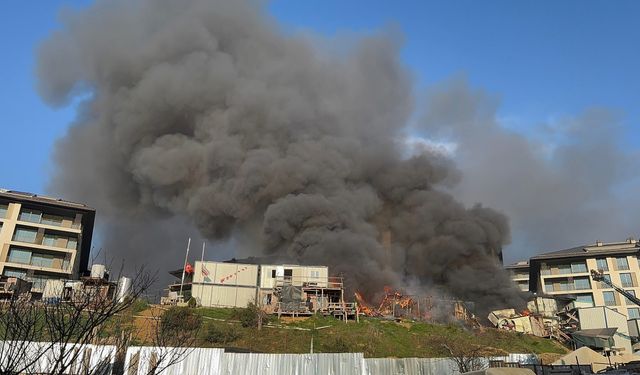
x: 288, y: 273
x: 622, y: 263
x: 51, y: 220
x: 72, y: 243
x: 582, y: 283
x: 578, y: 267
x: 565, y: 285
x: 523, y: 285
x: 15, y: 273
x: 49, y: 240
x: 564, y: 269
x: 27, y: 214
x: 609, y: 298
x: 42, y: 260
x: 19, y: 256
x: 602, y: 264
x: 633, y: 313
x: 39, y: 281
x: 3, y: 210
x: 602, y: 285
x: 273, y: 274
x: 548, y: 286
x: 626, y: 280
x: 627, y: 300
x: 584, y: 299
x: 25, y: 235
x: 53, y: 240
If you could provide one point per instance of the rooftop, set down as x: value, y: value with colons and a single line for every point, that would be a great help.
x: 523, y: 264
x: 599, y: 248
x: 42, y: 199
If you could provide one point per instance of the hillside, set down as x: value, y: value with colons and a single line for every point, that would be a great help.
x: 373, y: 337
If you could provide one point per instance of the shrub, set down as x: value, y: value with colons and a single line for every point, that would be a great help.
x: 180, y: 319
x: 192, y: 302
x: 249, y: 316
x: 337, y: 345
x: 221, y: 334
x: 139, y: 305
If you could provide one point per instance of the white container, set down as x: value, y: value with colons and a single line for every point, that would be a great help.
x: 124, y: 288
x: 98, y: 271
x: 53, y: 290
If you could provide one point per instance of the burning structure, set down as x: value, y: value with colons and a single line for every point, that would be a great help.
x: 397, y: 305
x: 282, y: 289
x: 204, y: 113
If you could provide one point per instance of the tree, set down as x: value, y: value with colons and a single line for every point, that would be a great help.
x: 60, y: 335
x: 466, y: 355
x: 251, y: 316
x: 20, y: 326
x: 175, y: 335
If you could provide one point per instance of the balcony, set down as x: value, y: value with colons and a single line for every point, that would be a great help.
x: 27, y: 266
x: 33, y: 217
x: 26, y: 258
x: 47, y: 241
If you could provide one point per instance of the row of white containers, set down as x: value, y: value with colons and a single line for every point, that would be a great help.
x: 212, y: 361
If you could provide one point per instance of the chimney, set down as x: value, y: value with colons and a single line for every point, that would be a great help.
x: 631, y: 240
x: 598, y: 243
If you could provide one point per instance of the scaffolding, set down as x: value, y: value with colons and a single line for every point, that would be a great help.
x: 305, y: 296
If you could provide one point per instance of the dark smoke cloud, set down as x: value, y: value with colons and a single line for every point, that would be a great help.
x: 203, y: 112
x: 569, y: 184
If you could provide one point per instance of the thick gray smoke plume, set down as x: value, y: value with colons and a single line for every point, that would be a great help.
x: 204, y: 113
x: 571, y: 184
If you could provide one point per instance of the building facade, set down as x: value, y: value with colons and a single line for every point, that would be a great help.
x: 43, y: 238
x: 288, y: 289
x: 519, y: 272
x: 567, y: 273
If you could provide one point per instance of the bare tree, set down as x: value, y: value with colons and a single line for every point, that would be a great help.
x: 62, y: 334
x: 173, y: 335
x: 20, y: 326
x: 466, y: 355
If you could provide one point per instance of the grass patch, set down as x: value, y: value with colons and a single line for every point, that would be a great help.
x: 373, y: 337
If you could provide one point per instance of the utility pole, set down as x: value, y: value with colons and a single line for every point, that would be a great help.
x: 186, y: 257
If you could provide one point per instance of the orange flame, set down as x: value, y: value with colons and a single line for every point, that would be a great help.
x: 364, y: 307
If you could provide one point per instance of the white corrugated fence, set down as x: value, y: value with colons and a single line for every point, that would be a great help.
x: 213, y: 361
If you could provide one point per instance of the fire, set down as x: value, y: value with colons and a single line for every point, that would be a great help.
x: 392, y: 302
x: 364, y: 307
x: 393, y: 298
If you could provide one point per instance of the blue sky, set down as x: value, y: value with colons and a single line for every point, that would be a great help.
x: 543, y: 59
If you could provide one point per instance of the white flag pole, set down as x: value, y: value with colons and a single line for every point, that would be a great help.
x: 185, y: 265
x: 202, y: 259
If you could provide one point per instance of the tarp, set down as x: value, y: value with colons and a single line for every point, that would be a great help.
x: 291, y: 298
x: 598, y: 338
x: 584, y: 356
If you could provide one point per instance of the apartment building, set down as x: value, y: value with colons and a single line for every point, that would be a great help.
x: 567, y: 273
x: 519, y: 272
x: 43, y: 238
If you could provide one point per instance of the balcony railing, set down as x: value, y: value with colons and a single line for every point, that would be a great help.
x: 44, y: 219
x: 310, y: 281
